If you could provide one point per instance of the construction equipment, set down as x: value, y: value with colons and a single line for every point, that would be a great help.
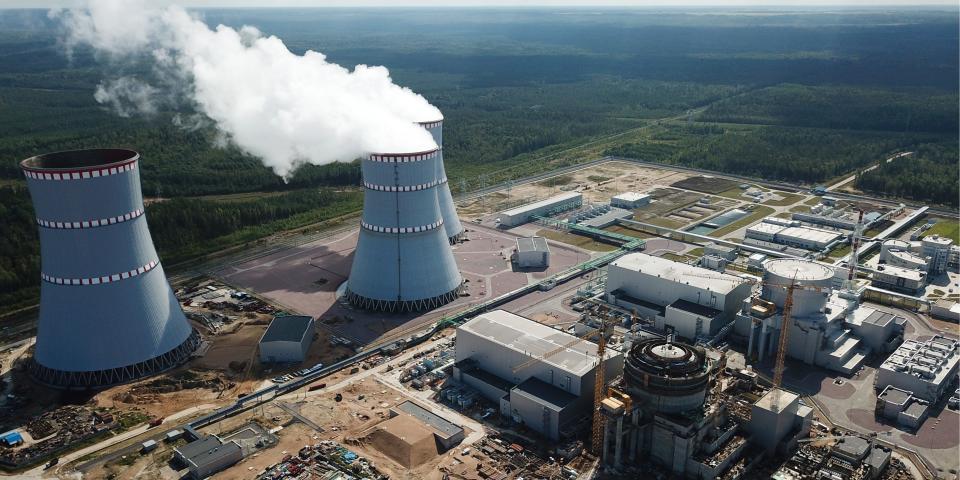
x: 598, y: 390
x: 785, y: 325
x: 851, y: 285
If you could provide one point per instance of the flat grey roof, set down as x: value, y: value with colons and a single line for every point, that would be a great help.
x: 915, y: 410
x: 553, y: 397
x: 199, y: 446
x: 438, y: 423
x: 526, y: 209
x: 535, y: 339
x: 878, y: 318
x: 213, y: 456
x: 287, y: 328
x: 895, y: 395
x: 532, y: 244
x: 679, y: 272
x: 855, y: 447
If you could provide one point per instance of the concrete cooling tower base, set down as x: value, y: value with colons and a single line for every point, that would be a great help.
x: 115, y: 376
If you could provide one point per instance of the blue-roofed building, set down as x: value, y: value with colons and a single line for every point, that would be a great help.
x: 11, y: 438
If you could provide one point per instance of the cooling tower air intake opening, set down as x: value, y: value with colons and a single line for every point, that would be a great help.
x: 80, y: 159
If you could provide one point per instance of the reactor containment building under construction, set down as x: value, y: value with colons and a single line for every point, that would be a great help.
x: 107, y: 313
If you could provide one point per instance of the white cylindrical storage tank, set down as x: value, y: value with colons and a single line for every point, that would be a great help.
x: 451, y: 222
x: 107, y: 313
x: 780, y: 273
x: 894, y: 245
x: 403, y: 261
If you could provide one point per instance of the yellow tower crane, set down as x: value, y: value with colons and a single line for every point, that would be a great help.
x: 785, y: 325
x: 599, y: 385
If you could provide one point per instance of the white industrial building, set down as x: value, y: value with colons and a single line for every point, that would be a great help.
x: 946, y: 310
x: 801, y: 237
x: 907, y: 280
x: 925, y: 369
x: 523, y: 214
x: 630, y: 200
x: 692, y: 301
x: 540, y: 376
x: 936, y: 248
x: 898, y: 253
x: 532, y: 252
x: 723, y: 251
x: 287, y: 339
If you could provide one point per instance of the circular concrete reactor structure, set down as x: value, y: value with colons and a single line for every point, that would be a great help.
x: 666, y: 377
x: 780, y: 273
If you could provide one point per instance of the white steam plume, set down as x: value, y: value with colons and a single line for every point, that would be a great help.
x: 284, y: 108
x: 127, y: 96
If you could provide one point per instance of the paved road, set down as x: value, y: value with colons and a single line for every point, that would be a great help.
x: 129, y: 434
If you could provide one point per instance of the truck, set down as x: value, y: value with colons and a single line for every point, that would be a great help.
x: 155, y: 422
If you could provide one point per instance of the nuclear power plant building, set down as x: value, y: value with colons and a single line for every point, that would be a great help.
x: 540, y: 376
x: 107, y: 313
x: 403, y: 261
x: 827, y: 329
x: 694, y: 302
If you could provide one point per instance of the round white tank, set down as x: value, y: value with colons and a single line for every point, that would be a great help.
x: 893, y: 245
x: 778, y: 274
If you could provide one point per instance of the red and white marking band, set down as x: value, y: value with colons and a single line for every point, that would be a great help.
x: 402, y: 188
x: 422, y: 228
x: 80, y: 174
x: 403, y: 157
x: 116, y: 277
x: 91, y: 223
x: 431, y: 124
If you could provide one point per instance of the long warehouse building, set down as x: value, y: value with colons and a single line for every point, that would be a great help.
x: 525, y: 213
x: 541, y: 377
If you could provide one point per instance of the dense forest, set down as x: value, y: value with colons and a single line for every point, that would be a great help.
x: 932, y: 173
x: 182, y: 229
x: 790, y: 95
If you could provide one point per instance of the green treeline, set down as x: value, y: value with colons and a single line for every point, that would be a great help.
x: 778, y: 153
x: 847, y: 108
x: 182, y: 229
x: 931, y: 174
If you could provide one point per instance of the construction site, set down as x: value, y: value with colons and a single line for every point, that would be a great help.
x: 614, y: 323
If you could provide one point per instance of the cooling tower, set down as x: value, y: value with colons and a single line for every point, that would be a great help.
x: 451, y: 223
x: 403, y: 261
x: 107, y: 314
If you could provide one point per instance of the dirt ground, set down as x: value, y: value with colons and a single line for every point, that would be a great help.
x: 607, y: 180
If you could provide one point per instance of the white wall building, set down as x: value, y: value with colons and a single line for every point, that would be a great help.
x: 924, y: 369
x: 653, y: 286
x: 937, y: 248
x: 532, y: 252
x: 898, y: 254
x: 630, y: 200
x: 523, y: 214
x: 801, y: 237
x: 539, y: 375
x: 287, y: 339
x: 898, y: 278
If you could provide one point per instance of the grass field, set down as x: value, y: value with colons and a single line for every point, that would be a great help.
x: 786, y: 199
x: 945, y: 228
x: 586, y: 243
x: 757, y: 213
